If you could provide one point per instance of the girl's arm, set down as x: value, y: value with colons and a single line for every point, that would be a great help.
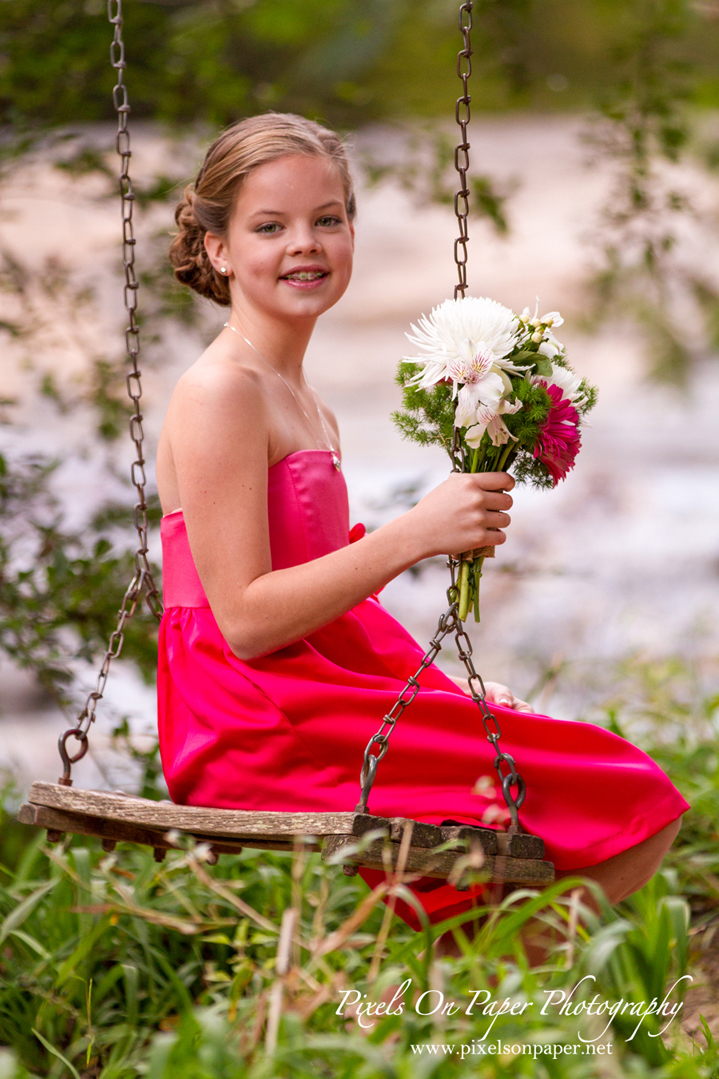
x: 219, y: 438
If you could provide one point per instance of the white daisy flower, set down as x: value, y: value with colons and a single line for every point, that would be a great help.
x: 468, y: 341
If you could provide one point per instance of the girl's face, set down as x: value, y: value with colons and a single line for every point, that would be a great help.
x: 288, y: 250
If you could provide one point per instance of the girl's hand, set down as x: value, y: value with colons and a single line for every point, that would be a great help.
x: 464, y: 512
x: 497, y: 694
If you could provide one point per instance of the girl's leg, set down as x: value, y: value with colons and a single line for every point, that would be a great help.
x: 629, y: 871
x: 619, y: 877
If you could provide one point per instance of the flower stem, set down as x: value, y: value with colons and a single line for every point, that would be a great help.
x: 480, y: 454
x: 512, y: 455
x: 505, y: 454
x: 477, y: 570
x: 465, y: 569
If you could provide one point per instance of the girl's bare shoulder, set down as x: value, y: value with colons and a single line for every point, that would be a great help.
x: 215, y: 386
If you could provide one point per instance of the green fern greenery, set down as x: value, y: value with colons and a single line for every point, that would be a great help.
x: 426, y: 416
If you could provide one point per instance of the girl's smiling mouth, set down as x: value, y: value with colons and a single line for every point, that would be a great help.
x: 305, y: 277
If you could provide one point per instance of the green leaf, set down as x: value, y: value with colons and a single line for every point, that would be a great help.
x: 543, y: 366
x: 56, y: 1052
x: 23, y: 910
x: 83, y: 949
x: 131, y: 992
x: 31, y: 943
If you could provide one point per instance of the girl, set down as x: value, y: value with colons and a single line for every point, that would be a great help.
x: 277, y: 660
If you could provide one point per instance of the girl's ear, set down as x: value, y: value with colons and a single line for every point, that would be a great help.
x: 352, y: 234
x: 218, y: 254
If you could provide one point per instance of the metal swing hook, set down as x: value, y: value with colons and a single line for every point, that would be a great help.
x: 514, y: 802
x: 367, y: 778
x: 67, y: 759
x: 511, y: 779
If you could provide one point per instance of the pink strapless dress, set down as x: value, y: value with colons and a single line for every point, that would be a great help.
x: 288, y: 731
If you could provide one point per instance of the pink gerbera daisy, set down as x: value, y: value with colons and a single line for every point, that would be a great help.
x: 559, y: 438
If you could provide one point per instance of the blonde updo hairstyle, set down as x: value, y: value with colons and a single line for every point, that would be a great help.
x: 208, y: 204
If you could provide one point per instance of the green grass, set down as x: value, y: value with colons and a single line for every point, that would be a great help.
x: 113, y: 966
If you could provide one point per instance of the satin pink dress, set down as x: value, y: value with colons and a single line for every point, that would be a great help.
x: 288, y: 731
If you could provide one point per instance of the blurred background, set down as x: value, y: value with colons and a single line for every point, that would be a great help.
x: 594, y: 155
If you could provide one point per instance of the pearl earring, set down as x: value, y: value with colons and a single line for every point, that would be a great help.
x: 223, y: 269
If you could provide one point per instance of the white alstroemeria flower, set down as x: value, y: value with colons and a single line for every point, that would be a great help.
x: 477, y: 382
x: 468, y: 341
x: 552, y: 318
x: 568, y: 382
x: 492, y: 423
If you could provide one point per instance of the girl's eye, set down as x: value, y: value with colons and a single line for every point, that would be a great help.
x: 328, y: 221
x: 270, y: 228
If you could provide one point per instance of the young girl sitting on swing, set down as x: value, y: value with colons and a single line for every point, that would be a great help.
x: 277, y: 660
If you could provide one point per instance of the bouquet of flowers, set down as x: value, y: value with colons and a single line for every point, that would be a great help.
x: 495, y: 389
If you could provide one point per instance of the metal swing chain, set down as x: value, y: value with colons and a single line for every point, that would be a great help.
x: 514, y: 789
x: 142, y: 580
x: 461, y: 153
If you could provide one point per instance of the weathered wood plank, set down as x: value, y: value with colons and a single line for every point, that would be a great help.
x: 423, y: 835
x: 162, y: 816
x: 485, y: 836
x: 418, y: 860
x: 55, y: 820
x: 362, y: 823
x: 430, y: 864
x: 521, y: 845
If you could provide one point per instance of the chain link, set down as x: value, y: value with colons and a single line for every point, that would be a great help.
x: 461, y: 153
x: 142, y: 581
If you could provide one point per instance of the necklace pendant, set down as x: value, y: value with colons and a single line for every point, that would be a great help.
x: 336, y: 461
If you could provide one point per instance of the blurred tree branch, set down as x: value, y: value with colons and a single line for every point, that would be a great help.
x: 646, y: 273
x: 60, y: 589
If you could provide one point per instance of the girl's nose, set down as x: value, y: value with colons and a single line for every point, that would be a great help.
x: 303, y: 241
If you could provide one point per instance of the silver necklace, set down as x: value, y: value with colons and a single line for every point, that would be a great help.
x: 335, y: 459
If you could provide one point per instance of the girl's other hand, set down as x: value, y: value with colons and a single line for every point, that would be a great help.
x: 466, y: 511
x: 497, y: 694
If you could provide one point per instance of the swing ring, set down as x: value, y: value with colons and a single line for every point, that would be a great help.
x: 514, y: 779
x: 369, y: 771
x: 367, y: 778
x: 69, y: 759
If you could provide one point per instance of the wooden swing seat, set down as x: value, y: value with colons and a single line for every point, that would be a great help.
x: 116, y: 818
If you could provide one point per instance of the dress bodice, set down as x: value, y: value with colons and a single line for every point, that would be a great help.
x: 308, y: 516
